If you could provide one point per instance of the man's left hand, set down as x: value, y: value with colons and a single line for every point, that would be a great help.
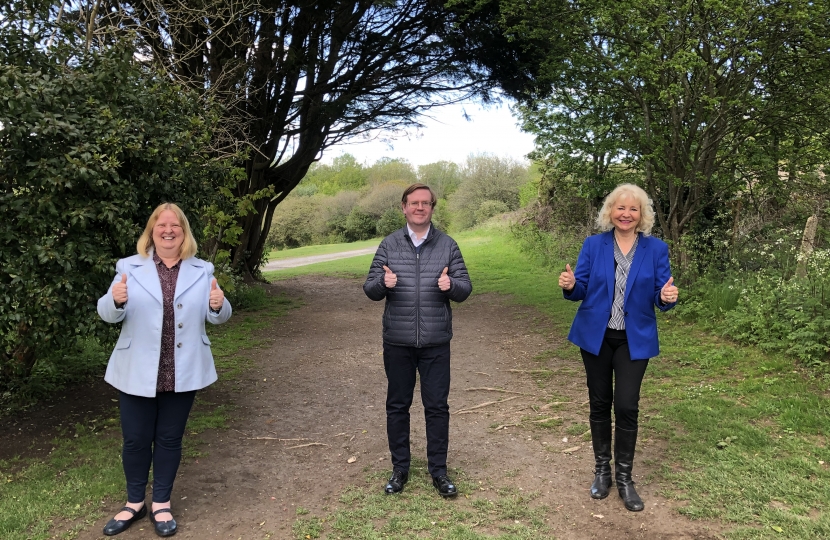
x: 444, y: 280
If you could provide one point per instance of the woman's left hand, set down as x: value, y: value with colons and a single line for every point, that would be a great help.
x: 217, y: 297
x: 668, y: 294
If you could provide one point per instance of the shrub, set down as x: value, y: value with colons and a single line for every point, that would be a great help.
x: 485, y: 178
x: 292, y: 225
x: 391, y: 220
x: 489, y: 209
x: 359, y: 225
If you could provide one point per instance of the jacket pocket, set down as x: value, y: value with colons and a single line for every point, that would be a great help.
x: 123, y: 343
x: 205, y: 339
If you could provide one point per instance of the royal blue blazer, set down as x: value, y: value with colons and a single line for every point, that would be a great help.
x: 594, y: 274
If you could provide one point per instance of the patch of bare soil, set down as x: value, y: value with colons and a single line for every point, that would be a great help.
x: 316, y: 396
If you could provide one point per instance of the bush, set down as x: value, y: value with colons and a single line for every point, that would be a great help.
x: 82, y: 165
x: 359, y: 225
x: 293, y: 223
x: 489, y: 209
x: 391, y: 220
x: 485, y: 178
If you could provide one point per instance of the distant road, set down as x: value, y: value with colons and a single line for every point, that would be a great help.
x: 303, y: 261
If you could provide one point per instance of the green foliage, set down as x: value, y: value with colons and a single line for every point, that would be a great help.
x: 391, y: 170
x: 292, y: 225
x: 391, y: 220
x: 90, y: 143
x: 345, y: 173
x: 485, y: 178
x: 359, y: 225
x: 488, y: 209
x: 443, y: 177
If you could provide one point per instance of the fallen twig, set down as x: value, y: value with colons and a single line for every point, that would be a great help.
x: 532, y: 370
x: 490, y: 389
x: 273, y: 439
x: 307, y: 444
x: 485, y: 404
x: 504, y: 426
x: 554, y: 404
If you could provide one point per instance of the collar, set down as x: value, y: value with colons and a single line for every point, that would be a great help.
x: 412, y: 234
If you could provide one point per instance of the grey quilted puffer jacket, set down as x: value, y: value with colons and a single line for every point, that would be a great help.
x: 417, y: 312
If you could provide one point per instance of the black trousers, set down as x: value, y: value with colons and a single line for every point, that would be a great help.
x: 152, y: 429
x: 433, y: 364
x: 613, y: 378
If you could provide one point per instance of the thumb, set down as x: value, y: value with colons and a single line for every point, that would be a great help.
x: 568, y: 269
x: 386, y: 269
x: 444, y: 273
x: 123, y: 278
x: 669, y: 282
x: 213, y: 285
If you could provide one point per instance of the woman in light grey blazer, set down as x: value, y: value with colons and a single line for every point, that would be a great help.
x: 162, y: 356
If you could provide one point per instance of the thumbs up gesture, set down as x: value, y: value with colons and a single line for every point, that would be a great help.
x: 668, y: 294
x: 567, y: 280
x: 389, y: 278
x: 444, y: 280
x: 217, y: 297
x: 119, y: 291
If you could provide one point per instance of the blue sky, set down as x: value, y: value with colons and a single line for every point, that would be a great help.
x: 448, y: 136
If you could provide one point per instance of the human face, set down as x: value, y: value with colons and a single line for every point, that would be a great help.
x: 168, y: 235
x: 625, y: 214
x: 418, y: 209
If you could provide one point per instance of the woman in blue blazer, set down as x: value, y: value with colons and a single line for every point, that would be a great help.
x: 621, y: 275
x: 162, y: 356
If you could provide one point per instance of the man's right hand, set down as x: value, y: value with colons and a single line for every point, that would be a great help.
x: 119, y: 291
x: 567, y: 280
x: 389, y: 278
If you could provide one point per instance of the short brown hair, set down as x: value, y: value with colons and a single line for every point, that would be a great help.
x: 189, y: 246
x: 415, y: 187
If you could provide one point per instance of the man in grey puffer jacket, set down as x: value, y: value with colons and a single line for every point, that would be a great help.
x: 418, y: 269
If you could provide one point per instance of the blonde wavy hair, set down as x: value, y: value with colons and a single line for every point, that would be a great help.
x: 189, y: 246
x: 643, y: 201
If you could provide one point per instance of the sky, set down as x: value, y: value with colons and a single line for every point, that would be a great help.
x: 448, y: 136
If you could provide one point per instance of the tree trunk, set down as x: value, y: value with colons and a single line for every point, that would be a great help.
x: 808, y: 240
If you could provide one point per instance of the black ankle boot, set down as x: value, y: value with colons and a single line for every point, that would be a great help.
x: 601, y: 440
x: 624, y: 444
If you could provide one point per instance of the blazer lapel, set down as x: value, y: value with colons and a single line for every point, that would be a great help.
x: 608, y: 263
x: 188, y: 275
x: 147, y: 276
x: 639, y: 256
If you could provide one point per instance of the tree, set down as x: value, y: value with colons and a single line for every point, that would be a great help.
x: 697, y: 98
x: 90, y: 143
x: 297, y: 76
x: 486, y: 179
x: 442, y: 176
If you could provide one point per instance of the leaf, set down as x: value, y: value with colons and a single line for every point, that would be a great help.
x: 777, y: 529
x: 351, y: 459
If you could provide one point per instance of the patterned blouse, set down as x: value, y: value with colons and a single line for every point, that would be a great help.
x: 166, y: 381
x: 622, y: 264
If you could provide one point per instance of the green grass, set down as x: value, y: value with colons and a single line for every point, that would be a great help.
x: 745, y: 433
x: 324, y: 249
x: 72, y: 485
x: 479, y: 512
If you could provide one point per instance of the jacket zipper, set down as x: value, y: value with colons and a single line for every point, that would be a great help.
x: 418, y: 298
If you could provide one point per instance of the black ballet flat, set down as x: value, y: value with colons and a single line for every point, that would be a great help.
x: 164, y: 528
x: 117, y: 526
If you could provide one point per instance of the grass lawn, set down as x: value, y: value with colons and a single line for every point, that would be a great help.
x: 745, y: 432
x: 324, y: 249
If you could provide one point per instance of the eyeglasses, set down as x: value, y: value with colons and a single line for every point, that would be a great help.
x: 419, y: 204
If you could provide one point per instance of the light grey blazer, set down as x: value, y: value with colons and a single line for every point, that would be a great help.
x: 134, y: 364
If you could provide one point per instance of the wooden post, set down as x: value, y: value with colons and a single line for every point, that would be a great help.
x: 808, y: 240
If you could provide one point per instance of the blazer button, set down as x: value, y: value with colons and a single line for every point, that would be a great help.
x: 181, y: 325
x: 179, y: 345
x: 179, y: 306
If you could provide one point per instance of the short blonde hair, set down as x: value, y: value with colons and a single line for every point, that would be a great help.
x: 189, y: 246
x: 643, y: 201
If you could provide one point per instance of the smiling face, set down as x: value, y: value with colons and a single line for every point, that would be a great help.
x: 168, y: 235
x: 418, y: 209
x: 625, y: 214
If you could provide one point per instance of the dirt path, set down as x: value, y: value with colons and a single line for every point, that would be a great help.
x: 312, y: 259
x: 322, y: 381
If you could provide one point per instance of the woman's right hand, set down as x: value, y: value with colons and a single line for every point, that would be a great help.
x: 567, y: 280
x: 119, y: 291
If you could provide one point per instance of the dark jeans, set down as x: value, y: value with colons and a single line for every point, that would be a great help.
x: 433, y: 364
x: 153, y: 430
x: 613, y: 378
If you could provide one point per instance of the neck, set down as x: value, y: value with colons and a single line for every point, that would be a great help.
x: 169, y: 259
x: 419, y: 230
x: 625, y: 236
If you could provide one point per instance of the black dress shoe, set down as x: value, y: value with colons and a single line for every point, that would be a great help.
x: 396, y: 482
x: 164, y: 528
x: 444, y: 486
x: 117, y: 526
